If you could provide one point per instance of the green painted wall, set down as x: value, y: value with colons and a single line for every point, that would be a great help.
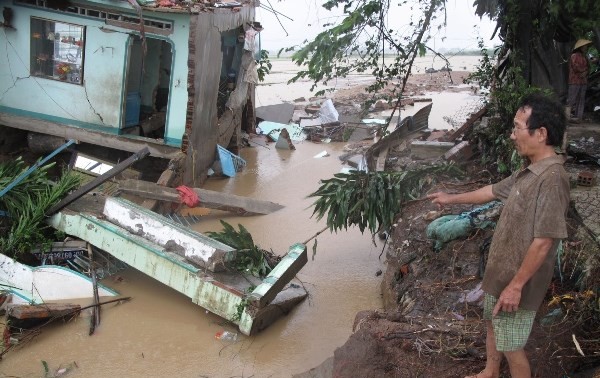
x: 97, y: 104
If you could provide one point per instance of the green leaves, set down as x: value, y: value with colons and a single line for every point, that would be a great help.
x: 27, y: 204
x: 249, y: 257
x: 264, y: 65
x: 371, y: 200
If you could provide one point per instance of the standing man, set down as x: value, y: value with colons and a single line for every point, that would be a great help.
x: 523, y: 250
x: 579, y: 69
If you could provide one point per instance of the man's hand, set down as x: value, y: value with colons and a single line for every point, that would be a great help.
x: 440, y: 198
x: 509, y: 300
x: 481, y: 195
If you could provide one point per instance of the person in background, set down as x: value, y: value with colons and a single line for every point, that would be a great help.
x: 579, y: 69
x: 523, y: 250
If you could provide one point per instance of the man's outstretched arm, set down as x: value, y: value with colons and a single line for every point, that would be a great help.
x: 479, y: 196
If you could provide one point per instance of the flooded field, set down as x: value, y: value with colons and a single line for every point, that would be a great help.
x: 160, y: 333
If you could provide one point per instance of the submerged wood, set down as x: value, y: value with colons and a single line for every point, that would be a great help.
x: 32, y: 333
x: 95, y: 319
x: 43, y: 311
x: 208, y: 198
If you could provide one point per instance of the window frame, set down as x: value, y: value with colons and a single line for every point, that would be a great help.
x: 44, y: 48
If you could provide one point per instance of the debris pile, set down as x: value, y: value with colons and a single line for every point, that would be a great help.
x: 432, y: 286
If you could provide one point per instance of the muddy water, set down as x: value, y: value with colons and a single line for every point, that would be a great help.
x: 275, y: 88
x: 160, y: 333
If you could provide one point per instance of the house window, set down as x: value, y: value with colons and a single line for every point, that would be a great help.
x: 57, y: 50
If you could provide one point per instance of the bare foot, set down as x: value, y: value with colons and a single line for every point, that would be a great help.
x: 483, y: 374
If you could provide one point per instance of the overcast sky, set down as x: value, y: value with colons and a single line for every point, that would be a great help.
x: 463, y: 26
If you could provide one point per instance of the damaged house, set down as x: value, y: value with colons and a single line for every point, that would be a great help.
x: 173, y: 79
x: 171, y: 76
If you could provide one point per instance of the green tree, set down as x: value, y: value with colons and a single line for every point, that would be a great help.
x: 538, y: 36
x: 537, y: 40
x: 367, y: 41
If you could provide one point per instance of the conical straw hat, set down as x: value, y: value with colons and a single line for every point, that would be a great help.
x: 580, y: 43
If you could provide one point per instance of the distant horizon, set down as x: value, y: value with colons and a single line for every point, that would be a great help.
x: 300, y: 20
x: 273, y: 54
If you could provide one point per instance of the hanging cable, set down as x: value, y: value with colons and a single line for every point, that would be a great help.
x: 272, y: 10
x: 277, y: 17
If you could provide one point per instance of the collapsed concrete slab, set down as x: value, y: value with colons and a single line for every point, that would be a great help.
x: 460, y: 152
x: 193, y: 246
x: 247, y: 301
x: 278, y: 113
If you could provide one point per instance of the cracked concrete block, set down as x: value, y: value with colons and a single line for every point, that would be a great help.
x: 284, y: 142
x: 195, y: 247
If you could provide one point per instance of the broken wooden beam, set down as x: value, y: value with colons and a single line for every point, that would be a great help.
x: 27, y: 316
x: 208, y: 198
x: 46, y: 310
x: 467, y: 125
x: 99, y: 180
x: 381, y: 159
x: 405, y: 129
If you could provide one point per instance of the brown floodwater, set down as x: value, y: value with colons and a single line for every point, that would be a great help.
x: 161, y: 333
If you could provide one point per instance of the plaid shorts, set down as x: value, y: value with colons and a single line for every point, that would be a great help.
x: 511, y: 329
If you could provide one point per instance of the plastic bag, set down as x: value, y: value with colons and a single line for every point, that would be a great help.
x: 226, y: 336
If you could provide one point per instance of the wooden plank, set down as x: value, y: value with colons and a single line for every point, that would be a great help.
x: 99, y: 180
x: 208, y: 198
x: 467, y: 125
x: 155, y: 147
x: 381, y: 160
x: 44, y: 311
x: 167, y: 178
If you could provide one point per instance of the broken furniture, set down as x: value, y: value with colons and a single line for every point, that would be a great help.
x: 230, y: 163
